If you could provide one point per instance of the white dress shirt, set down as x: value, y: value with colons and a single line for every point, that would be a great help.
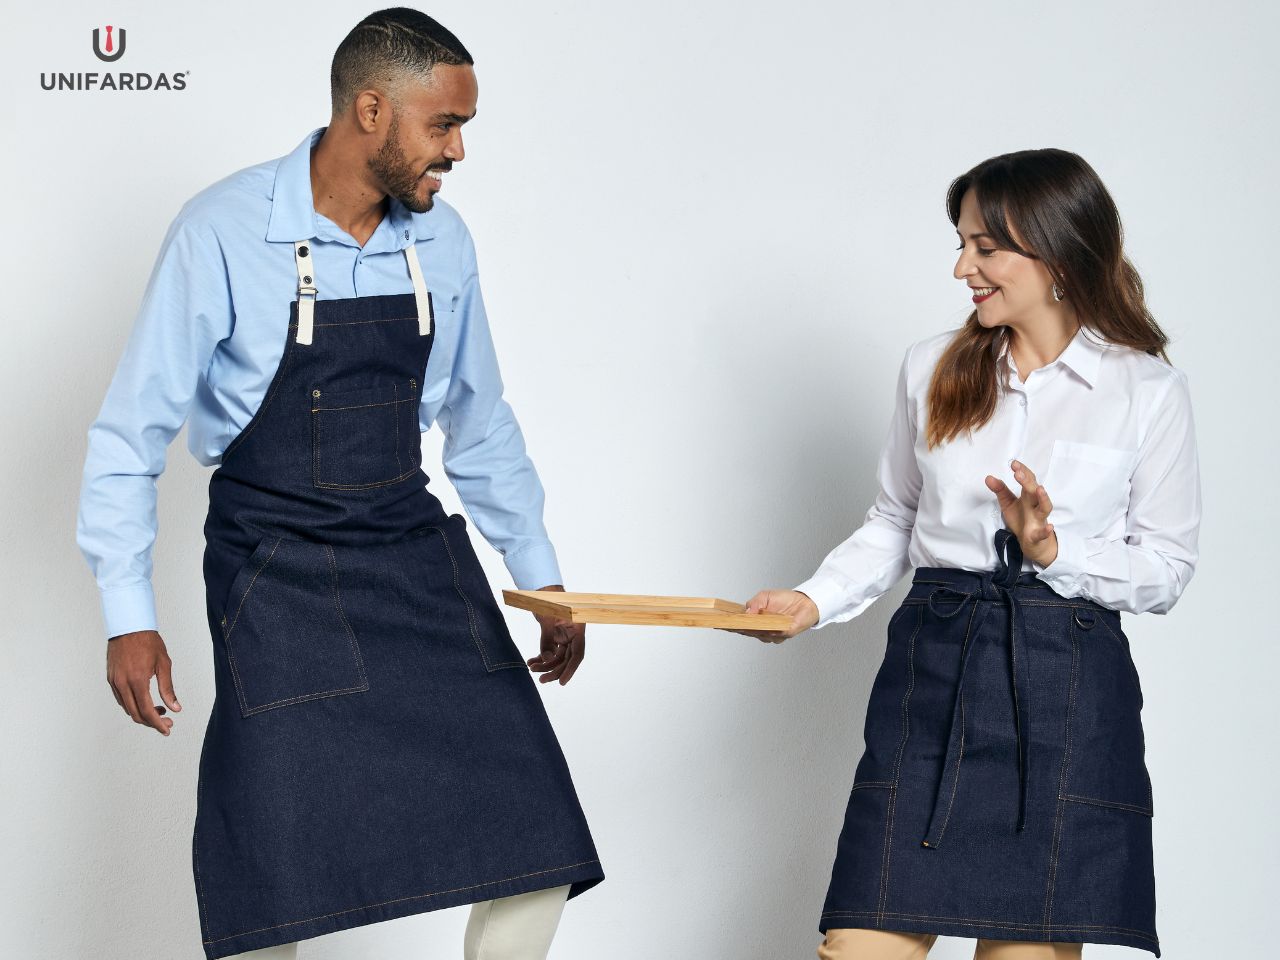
x: 1106, y: 429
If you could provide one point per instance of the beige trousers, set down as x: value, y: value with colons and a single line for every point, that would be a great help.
x: 887, y: 945
x: 511, y: 928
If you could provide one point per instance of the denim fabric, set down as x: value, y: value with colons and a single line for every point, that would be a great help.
x: 377, y: 746
x: 1003, y: 791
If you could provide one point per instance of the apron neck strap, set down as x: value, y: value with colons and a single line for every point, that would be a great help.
x: 426, y: 313
x: 307, y: 291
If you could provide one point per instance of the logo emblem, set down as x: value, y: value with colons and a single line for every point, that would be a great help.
x: 115, y: 48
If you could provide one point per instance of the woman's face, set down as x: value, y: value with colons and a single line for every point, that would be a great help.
x: 1007, y: 288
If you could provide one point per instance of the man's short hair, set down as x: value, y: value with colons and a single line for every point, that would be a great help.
x: 387, y: 48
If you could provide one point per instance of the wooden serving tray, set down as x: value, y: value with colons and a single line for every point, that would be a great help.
x: 640, y: 609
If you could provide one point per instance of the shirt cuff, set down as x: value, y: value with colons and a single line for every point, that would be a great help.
x: 128, y: 609
x: 828, y: 597
x: 534, y: 567
x: 1064, y: 574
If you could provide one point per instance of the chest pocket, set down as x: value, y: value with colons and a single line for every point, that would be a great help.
x: 365, y: 438
x: 1088, y: 483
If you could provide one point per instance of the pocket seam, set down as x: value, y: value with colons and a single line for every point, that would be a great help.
x: 245, y: 709
x: 1092, y: 453
x: 1133, y: 669
x: 1066, y: 778
x: 247, y: 590
x: 402, y: 473
x: 471, y: 615
x: 1115, y: 804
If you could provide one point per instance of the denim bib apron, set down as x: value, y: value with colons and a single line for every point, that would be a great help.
x: 1003, y: 791
x: 376, y: 747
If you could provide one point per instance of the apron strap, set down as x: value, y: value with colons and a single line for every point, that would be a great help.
x: 306, y: 290
x: 1002, y: 580
x: 426, y: 313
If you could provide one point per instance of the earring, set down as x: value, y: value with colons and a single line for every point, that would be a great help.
x: 1057, y: 292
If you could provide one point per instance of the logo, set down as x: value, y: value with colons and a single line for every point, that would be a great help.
x: 108, y: 55
x: 108, y: 46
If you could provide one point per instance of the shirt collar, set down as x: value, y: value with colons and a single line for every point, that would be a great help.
x: 1083, y: 355
x: 293, y: 213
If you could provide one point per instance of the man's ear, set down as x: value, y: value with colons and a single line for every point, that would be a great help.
x: 372, y: 111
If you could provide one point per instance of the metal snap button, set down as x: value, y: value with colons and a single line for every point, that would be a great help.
x: 306, y: 279
x: 303, y: 251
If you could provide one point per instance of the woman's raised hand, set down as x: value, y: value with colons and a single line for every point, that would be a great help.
x: 792, y: 603
x: 1027, y: 515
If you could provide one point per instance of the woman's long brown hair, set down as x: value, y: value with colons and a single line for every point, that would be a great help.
x: 1062, y: 212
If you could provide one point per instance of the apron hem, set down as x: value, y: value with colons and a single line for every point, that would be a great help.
x: 583, y: 876
x: 988, y: 929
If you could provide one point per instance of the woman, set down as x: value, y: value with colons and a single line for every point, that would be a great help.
x: 1003, y: 792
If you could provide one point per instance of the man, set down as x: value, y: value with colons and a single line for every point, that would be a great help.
x: 376, y: 747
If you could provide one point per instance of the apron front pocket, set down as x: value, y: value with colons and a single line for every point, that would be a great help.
x: 287, y: 637
x: 365, y: 438
x: 1106, y: 764
x: 488, y: 627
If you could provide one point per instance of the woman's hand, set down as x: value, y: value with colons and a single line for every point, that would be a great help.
x: 792, y: 603
x: 1028, y: 515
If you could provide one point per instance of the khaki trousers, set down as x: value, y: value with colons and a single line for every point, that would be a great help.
x: 845, y: 944
x: 511, y: 928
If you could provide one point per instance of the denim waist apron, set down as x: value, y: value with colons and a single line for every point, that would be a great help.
x: 377, y: 746
x: 1003, y: 791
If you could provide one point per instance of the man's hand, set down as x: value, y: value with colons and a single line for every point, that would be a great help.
x: 132, y: 660
x: 564, y: 645
x: 1028, y: 515
x: 792, y: 603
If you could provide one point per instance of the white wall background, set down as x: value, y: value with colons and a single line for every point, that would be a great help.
x: 707, y: 232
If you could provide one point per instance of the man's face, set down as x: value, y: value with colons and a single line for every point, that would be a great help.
x: 424, y: 138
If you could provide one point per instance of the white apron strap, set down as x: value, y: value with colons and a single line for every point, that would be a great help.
x: 420, y: 292
x: 306, y: 290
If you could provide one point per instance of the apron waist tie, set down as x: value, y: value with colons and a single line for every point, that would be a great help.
x: 1001, y: 580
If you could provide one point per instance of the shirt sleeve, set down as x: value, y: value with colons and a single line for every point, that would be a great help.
x: 185, y: 311
x: 484, y: 453
x: 867, y: 564
x: 1147, y: 569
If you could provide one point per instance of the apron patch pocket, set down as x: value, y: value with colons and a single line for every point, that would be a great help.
x: 1107, y: 765
x: 287, y: 637
x: 488, y: 627
x: 365, y: 438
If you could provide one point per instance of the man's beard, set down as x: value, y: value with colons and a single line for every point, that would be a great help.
x: 392, y: 168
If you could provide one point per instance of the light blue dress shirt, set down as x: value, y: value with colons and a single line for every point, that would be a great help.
x: 210, y: 334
